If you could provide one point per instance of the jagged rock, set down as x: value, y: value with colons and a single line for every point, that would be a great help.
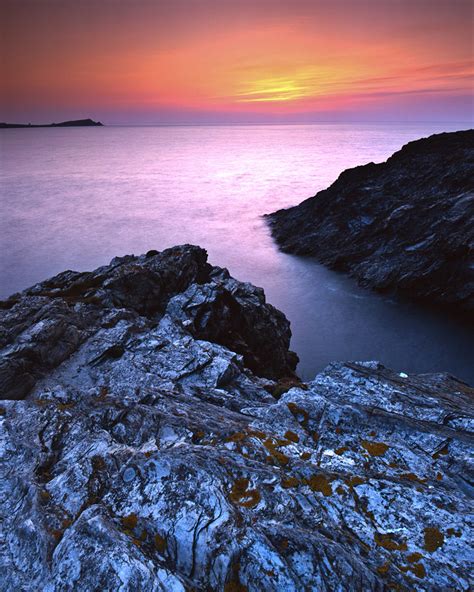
x: 44, y: 325
x: 406, y: 225
x: 144, y: 454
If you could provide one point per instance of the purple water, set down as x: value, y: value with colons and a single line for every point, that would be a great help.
x: 75, y: 198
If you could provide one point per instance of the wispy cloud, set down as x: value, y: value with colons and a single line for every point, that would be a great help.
x: 310, y: 82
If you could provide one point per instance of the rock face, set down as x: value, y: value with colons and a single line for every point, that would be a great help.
x: 406, y: 225
x: 146, y: 445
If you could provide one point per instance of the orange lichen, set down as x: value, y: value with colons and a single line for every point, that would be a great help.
x: 439, y: 477
x: 42, y: 402
x: 65, y: 406
x: 305, y: 455
x: 160, y: 543
x: 354, y: 481
x: 235, y: 586
x: 130, y: 521
x: 454, y: 532
x: 256, y: 433
x: 434, y: 539
x: 242, y: 495
x: 301, y: 415
x: 237, y: 437
x: 417, y: 569
x: 292, y: 436
x: 414, y: 557
x: 320, y: 483
x: 104, y: 391
x: 289, y: 482
x: 98, y: 463
x: 233, y: 583
x: 271, y: 446
x: 383, y: 569
x: 341, y: 450
x: 57, y: 534
x: 442, y: 452
x: 412, y: 477
x: 284, y: 385
x: 375, y: 448
x: 387, y: 542
x: 45, y: 496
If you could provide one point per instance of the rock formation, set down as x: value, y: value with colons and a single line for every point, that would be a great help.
x: 154, y: 437
x: 406, y: 225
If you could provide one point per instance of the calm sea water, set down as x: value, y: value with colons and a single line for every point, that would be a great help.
x: 75, y: 198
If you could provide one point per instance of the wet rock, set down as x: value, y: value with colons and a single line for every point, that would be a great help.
x: 149, y: 455
x: 406, y: 225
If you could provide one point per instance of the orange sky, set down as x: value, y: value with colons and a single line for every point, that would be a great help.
x: 236, y: 60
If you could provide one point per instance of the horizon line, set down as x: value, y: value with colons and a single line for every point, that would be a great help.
x: 265, y: 123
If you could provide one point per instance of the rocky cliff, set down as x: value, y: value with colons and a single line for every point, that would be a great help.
x: 406, y: 225
x: 154, y: 437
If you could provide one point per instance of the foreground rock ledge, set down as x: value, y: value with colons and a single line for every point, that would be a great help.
x: 148, y: 449
x: 405, y: 225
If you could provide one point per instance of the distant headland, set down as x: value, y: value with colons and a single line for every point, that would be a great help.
x: 404, y: 225
x: 74, y: 123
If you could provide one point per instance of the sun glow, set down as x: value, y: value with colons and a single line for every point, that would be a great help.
x: 155, y: 61
x: 273, y: 89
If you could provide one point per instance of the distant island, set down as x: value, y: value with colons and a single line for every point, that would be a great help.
x: 73, y: 123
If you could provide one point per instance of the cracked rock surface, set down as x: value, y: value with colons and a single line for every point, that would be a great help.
x: 155, y: 437
x: 405, y: 225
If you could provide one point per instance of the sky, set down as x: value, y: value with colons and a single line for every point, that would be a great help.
x: 236, y: 61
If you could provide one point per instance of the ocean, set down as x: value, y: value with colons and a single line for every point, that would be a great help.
x: 74, y: 198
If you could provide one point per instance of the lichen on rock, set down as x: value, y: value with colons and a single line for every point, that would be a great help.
x: 142, y: 447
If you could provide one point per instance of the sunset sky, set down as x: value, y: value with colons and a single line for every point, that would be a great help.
x: 211, y: 61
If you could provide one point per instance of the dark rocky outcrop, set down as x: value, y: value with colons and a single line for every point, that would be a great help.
x: 73, y: 123
x: 47, y: 323
x: 139, y: 451
x: 406, y: 225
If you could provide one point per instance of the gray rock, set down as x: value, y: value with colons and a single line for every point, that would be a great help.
x: 44, y: 325
x: 406, y: 225
x: 149, y: 456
